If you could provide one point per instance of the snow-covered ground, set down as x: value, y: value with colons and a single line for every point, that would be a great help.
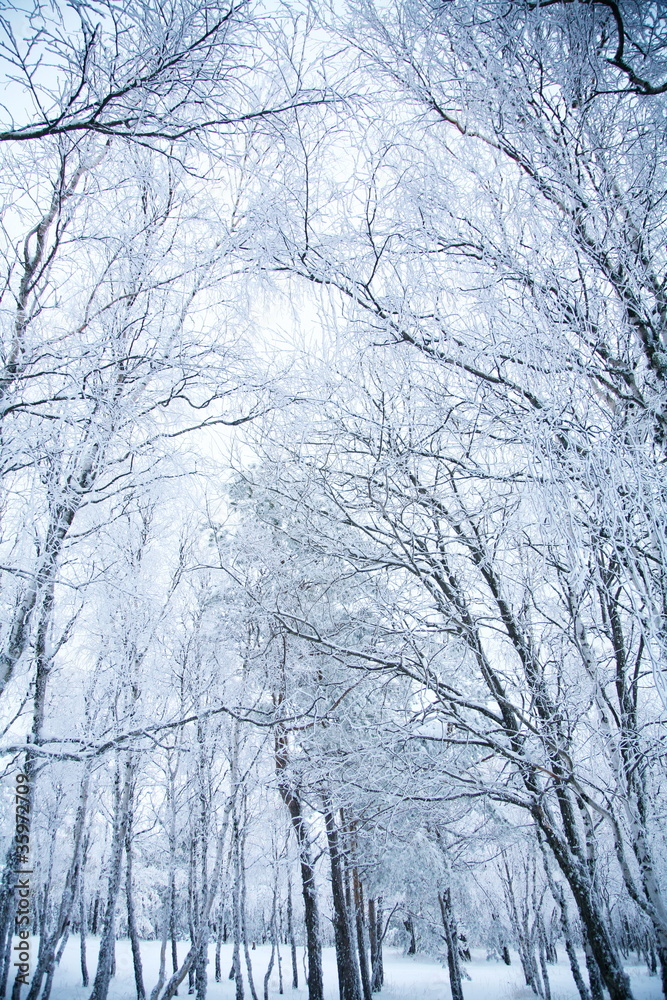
x: 406, y: 978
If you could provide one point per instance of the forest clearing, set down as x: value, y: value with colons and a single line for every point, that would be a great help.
x: 407, y: 978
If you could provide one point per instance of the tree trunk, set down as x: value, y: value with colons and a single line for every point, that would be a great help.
x: 349, y: 985
x: 269, y: 969
x: 594, y: 977
x: 131, y: 917
x: 162, y: 970
x: 542, y: 951
x: 606, y: 960
x: 375, y: 938
x: 108, y: 939
x: 246, y: 950
x: 46, y: 992
x: 237, y: 918
x: 410, y: 928
x: 381, y: 931
x: 361, y: 936
x: 49, y: 943
x: 290, y: 935
x: 171, y: 798
x: 373, y: 942
x: 218, y: 945
x: 83, y: 928
x: 568, y: 935
x: 274, y: 937
x: 204, y: 914
x: 290, y: 797
x: 451, y: 939
x: 309, y: 890
x: 7, y: 916
x: 521, y: 924
x: 281, y: 988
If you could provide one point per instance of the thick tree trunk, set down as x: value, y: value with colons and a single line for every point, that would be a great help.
x: 568, y: 935
x: 595, y: 927
x: 43, y: 663
x: 594, y: 977
x: 309, y: 890
x: 381, y: 931
x: 281, y: 988
x: 349, y: 985
x: 410, y: 928
x: 375, y: 939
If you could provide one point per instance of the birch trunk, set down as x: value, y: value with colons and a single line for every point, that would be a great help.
x: 451, y: 939
x: 131, y: 917
x: 290, y: 935
x: 108, y: 939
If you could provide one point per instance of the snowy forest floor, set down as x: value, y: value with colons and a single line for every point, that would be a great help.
x: 406, y: 977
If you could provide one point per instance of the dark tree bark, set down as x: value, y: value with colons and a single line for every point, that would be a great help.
x: 594, y: 977
x: 372, y: 938
x: 292, y: 801
x: 290, y: 935
x: 558, y: 894
x: 410, y: 928
x: 349, y: 984
x: 83, y: 927
x: 381, y: 931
